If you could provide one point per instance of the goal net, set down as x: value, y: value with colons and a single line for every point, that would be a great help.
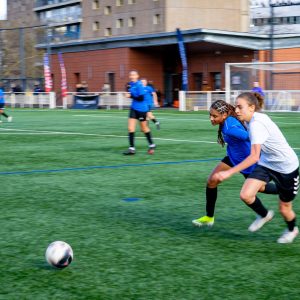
x: 279, y: 81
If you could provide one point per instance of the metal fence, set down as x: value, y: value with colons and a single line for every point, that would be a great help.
x: 30, y: 100
x: 280, y: 100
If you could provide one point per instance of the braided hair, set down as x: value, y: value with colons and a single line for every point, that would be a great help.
x: 223, y: 107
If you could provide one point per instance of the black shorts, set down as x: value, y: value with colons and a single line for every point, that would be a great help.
x: 138, y: 115
x: 287, y: 184
x: 226, y: 160
x: 2, y: 105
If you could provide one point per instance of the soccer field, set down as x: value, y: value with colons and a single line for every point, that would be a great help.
x: 63, y: 177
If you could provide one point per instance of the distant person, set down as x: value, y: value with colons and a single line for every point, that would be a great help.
x: 138, y: 113
x: 85, y: 86
x: 257, y: 89
x: 37, y: 89
x: 16, y: 88
x: 80, y: 89
x: 151, y: 98
x: 106, y: 88
x: 2, y: 104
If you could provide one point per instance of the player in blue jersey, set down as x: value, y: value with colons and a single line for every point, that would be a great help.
x: 235, y: 135
x: 138, y: 112
x: 151, y: 98
x: 2, y: 104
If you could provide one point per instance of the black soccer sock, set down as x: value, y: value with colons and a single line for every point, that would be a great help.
x: 211, y: 198
x: 154, y: 120
x: 291, y: 224
x: 131, y: 139
x: 4, y: 114
x: 149, y: 138
x: 258, y: 207
x: 271, y: 188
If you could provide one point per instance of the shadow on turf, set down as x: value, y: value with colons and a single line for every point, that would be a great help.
x: 163, y: 221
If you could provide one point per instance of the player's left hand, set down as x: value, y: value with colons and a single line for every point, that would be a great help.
x: 223, y: 175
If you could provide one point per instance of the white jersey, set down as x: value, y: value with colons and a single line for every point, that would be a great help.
x: 276, y: 153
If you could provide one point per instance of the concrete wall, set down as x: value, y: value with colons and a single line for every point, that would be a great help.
x: 232, y: 15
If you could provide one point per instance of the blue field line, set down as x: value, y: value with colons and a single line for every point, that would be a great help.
x: 110, y: 167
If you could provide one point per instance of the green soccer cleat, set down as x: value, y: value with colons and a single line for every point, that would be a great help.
x: 204, y: 221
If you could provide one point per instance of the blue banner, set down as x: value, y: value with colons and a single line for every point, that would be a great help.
x: 182, y: 52
x: 86, y: 102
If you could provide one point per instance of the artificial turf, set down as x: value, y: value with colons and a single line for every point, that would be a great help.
x: 144, y: 249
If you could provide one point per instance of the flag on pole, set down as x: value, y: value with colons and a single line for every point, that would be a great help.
x: 64, y: 89
x: 183, y: 57
x: 47, y: 74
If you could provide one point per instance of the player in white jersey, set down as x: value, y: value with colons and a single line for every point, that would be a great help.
x: 276, y: 160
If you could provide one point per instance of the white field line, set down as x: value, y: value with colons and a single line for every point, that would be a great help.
x: 31, y: 131
x: 126, y: 117
x: 44, y: 132
x: 168, y: 119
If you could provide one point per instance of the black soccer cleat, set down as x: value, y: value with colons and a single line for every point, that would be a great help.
x: 129, y: 151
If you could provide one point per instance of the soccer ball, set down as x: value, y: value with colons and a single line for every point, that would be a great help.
x: 59, y: 254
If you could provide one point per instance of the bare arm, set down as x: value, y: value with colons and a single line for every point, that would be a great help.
x: 155, y: 99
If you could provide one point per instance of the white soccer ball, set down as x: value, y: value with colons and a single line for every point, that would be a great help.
x: 59, y: 254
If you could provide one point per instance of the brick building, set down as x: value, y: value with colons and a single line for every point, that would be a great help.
x: 102, y: 40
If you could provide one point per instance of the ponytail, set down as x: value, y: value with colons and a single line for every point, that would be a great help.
x: 255, y: 99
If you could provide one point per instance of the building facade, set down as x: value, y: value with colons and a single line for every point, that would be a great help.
x: 276, y: 17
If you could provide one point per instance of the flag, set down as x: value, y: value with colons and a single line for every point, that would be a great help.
x: 47, y: 74
x: 183, y: 57
x: 64, y: 89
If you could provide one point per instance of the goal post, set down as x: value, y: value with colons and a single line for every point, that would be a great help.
x: 280, y: 82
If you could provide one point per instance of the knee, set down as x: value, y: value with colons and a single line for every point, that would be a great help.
x: 212, y: 182
x: 246, y: 197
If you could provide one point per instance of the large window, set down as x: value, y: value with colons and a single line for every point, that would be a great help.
x: 96, y: 4
x: 59, y: 15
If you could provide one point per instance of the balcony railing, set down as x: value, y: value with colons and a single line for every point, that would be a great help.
x: 53, y: 3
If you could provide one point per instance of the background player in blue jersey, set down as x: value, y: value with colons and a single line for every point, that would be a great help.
x: 2, y: 104
x: 235, y: 135
x: 151, y: 98
x: 138, y: 112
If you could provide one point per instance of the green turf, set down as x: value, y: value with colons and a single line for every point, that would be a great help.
x: 132, y: 250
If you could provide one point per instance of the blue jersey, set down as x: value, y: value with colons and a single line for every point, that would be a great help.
x: 137, y: 92
x: 238, y: 143
x: 2, y: 99
x: 149, y: 90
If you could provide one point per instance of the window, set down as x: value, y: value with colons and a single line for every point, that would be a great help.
x: 107, y: 10
x: 131, y: 22
x: 131, y: 1
x: 119, y: 2
x: 107, y: 32
x: 96, y: 4
x: 96, y: 26
x: 156, y: 19
x: 119, y: 23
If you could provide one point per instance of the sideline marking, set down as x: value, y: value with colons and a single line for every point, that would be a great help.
x: 96, y: 135
x: 109, y: 167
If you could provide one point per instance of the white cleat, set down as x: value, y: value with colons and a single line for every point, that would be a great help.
x: 288, y: 236
x: 260, y: 222
x: 9, y: 119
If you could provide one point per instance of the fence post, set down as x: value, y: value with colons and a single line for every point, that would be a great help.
x: 208, y: 100
x: 120, y: 101
x: 182, y: 101
x: 52, y: 100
